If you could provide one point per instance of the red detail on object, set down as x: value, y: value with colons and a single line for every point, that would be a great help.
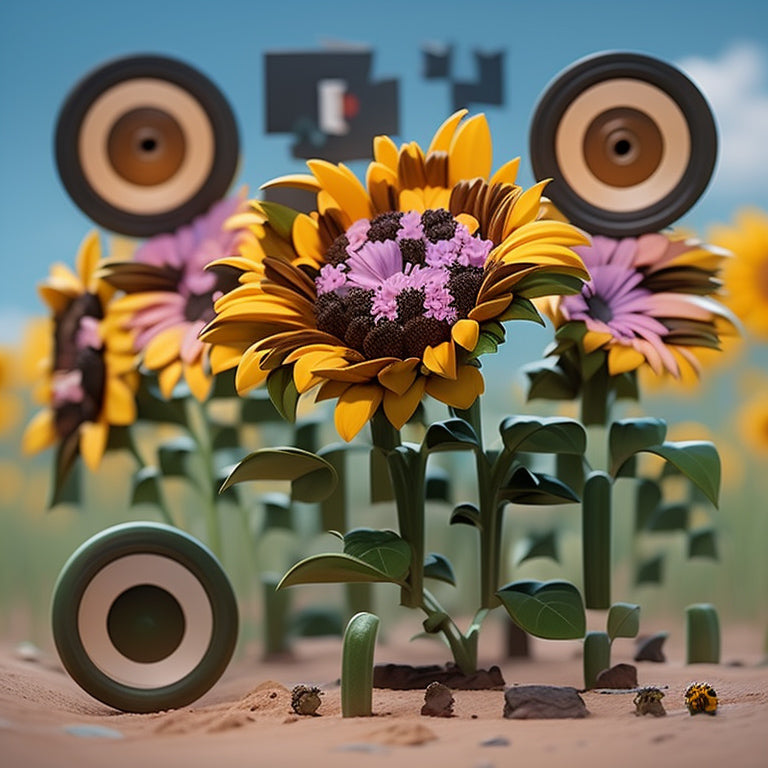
x: 351, y: 105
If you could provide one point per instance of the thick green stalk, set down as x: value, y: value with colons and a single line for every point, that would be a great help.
x: 596, y: 540
x: 597, y: 656
x: 357, y: 665
x: 703, y: 634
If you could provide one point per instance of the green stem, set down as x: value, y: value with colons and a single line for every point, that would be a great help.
x: 463, y: 649
x: 199, y: 428
x: 162, y: 504
x: 357, y: 665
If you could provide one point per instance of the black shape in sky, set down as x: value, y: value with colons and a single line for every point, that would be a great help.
x: 327, y: 100
x: 437, y: 60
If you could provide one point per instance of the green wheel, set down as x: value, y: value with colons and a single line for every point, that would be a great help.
x: 144, y: 617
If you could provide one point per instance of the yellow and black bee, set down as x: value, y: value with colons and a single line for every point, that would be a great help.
x: 701, y: 697
x: 648, y: 702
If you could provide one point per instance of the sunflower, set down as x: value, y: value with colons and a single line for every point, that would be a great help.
x: 169, y: 296
x: 9, y: 402
x: 391, y: 290
x: 745, y: 277
x: 648, y: 305
x: 91, y: 377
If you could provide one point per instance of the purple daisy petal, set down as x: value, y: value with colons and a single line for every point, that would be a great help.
x: 410, y: 227
x: 374, y: 263
x: 357, y: 235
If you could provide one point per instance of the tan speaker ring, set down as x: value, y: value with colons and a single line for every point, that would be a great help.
x: 190, y: 158
x: 629, y: 143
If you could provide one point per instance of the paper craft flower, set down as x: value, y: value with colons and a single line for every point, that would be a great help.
x: 391, y: 290
x: 169, y: 296
x: 745, y: 277
x: 648, y: 304
x: 91, y: 378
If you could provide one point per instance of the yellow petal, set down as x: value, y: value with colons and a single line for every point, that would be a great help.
x: 412, y: 200
x: 88, y: 257
x: 169, y: 377
x: 357, y: 372
x: 40, y: 432
x: 355, y: 408
x: 93, y: 442
x: 444, y: 134
x: 222, y: 357
x: 470, y: 152
x: 469, y: 221
x: 296, y: 180
x: 594, y: 340
x: 249, y: 373
x: 119, y: 403
x: 507, y: 174
x: 460, y: 392
x: 465, y: 333
x: 398, y: 376
x: 308, y: 362
x: 490, y: 309
x: 330, y: 390
x: 400, y: 408
x: 441, y: 359
x: 385, y: 152
x: 306, y: 237
x: 622, y: 359
x: 525, y: 208
x: 557, y: 232
x: 164, y: 348
x: 56, y: 300
x: 198, y: 380
x: 345, y: 187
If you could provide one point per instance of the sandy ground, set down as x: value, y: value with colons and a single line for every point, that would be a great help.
x: 246, y: 719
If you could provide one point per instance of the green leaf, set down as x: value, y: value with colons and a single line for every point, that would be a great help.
x: 283, y: 392
x: 334, y: 569
x: 259, y: 409
x: 629, y: 436
x: 698, y: 460
x: 66, y: 473
x: 521, y: 309
x: 146, y: 486
x: 543, y: 435
x: 281, y: 218
x: 623, y: 620
x: 550, y: 609
x: 438, y: 567
x: 174, y: 457
x: 384, y: 550
x: 703, y: 543
x: 487, y: 344
x: 650, y: 571
x: 466, y: 514
x: 547, y: 381
x: 526, y: 487
x: 151, y: 406
x: 670, y: 517
x: 536, y: 545
x: 312, y: 477
x: 450, y: 435
x: 537, y: 285
x: 647, y: 500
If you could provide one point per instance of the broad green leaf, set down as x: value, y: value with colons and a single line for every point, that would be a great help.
x: 543, y: 435
x: 438, y: 567
x: 495, y: 329
x: 550, y: 609
x: 522, y: 309
x: 283, y: 392
x: 383, y: 550
x: 334, y: 569
x: 526, y: 487
x: 547, y: 381
x: 537, y: 285
x: 312, y: 477
x: 650, y: 571
x: 703, y: 543
x: 623, y: 620
x: 487, y: 344
x: 698, y: 460
x: 647, y: 500
x: 466, y: 514
x: 174, y: 457
x: 573, y: 331
x: 145, y: 486
x: 536, y: 545
x: 281, y: 218
x: 628, y: 436
x: 669, y: 517
x: 450, y: 435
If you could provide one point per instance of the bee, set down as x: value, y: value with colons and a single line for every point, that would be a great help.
x: 701, y: 697
x: 647, y: 701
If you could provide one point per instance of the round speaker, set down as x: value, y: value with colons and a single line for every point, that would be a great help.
x: 629, y: 141
x: 146, y: 143
x: 144, y: 617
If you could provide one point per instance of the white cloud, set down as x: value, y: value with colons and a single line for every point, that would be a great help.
x: 736, y: 86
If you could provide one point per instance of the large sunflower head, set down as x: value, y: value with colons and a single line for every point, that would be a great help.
x: 91, y: 378
x: 169, y: 296
x: 745, y: 276
x: 392, y: 289
x: 649, y: 304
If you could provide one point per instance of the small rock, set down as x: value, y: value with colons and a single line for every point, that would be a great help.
x: 305, y: 699
x: 648, y: 702
x: 27, y: 651
x: 530, y: 702
x: 618, y: 676
x: 650, y: 648
x: 438, y: 701
x: 496, y: 741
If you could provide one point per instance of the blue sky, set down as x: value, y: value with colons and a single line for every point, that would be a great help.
x: 47, y: 46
